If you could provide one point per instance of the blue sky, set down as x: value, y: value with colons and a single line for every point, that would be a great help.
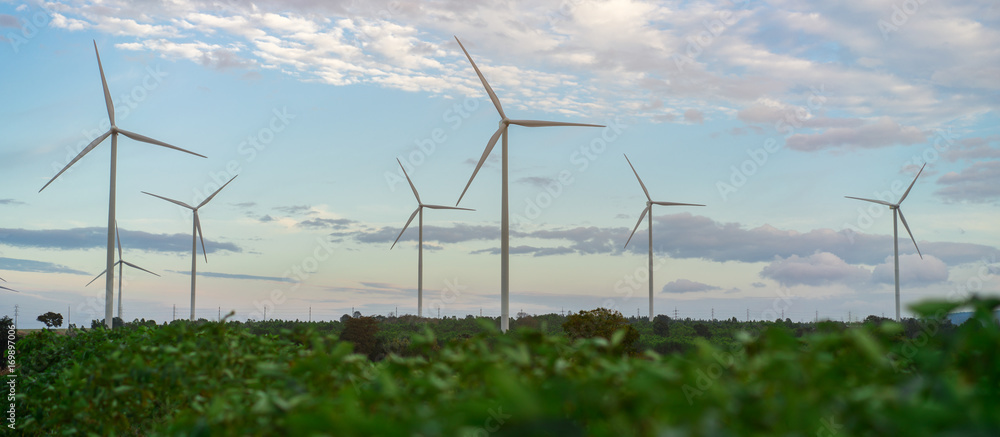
x: 767, y: 112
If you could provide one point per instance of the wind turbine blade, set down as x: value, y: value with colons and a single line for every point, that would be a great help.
x: 880, y: 202
x: 85, y: 151
x: 405, y: 226
x: 197, y: 224
x: 539, y: 123
x: 213, y: 194
x: 415, y: 194
x: 908, y: 232
x: 901, y: 199
x: 118, y: 238
x: 10, y: 289
x: 644, y: 190
x: 486, y: 153
x: 489, y: 90
x: 149, y: 140
x: 95, y: 278
x: 104, y: 82
x: 676, y: 204
x: 137, y: 267
x: 178, y: 202
x: 446, y: 207
x: 642, y: 216
x: 2, y: 279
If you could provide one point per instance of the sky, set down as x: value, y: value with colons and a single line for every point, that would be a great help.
x: 768, y: 112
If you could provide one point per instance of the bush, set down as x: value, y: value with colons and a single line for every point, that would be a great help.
x: 220, y: 379
x: 361, y: 332
x: 602, y: 323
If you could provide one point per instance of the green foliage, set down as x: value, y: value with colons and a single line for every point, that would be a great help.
x: 51, y: 319
x: 222, y: 379
x: 361, y: 332
x: 603, y: 323
x: 661, y: 325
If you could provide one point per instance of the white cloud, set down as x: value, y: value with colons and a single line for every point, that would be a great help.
x: 880, y: 133
x: 913, y: 271
x: 821, y: 268
x: 591, y: 58
x: 60, y: 21
x: 687, y: 286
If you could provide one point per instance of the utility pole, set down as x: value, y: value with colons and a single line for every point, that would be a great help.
x: 848, y: 317
x: 439, y: 312
x: 15, y: 317
x: 220, y: 314
x: 713, y: 314
x: 68, y: 317
x: 310, y: 313
x: 675, y: 313
x: 817, y: 317
x: 175, y: 313
x: 265, y: 313
x: 480, y: 311
x: 748, y: 315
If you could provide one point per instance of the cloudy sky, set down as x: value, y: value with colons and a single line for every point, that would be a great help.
x: 769, y: 112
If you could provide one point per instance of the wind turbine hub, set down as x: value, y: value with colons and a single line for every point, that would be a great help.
x: 505, y: 122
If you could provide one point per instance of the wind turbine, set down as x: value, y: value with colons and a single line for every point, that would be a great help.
x: 8, y: 289
x: 195, y: 235
x: 420, y: 238
x: 504, y: 214
x: 113, y: 133
x: 121, y: 263
x: 895, y: 229
x: 649, y: 209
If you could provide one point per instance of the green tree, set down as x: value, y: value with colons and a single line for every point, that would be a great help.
x: 603, y: 323
x: 702, y: 330
x: 361, y: 332
x: 661, y: 326
x: 51, y: 319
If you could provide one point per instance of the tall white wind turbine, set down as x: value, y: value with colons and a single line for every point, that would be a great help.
x: 195, y: 235
x: 121, y: 263
x: 504, y: 214
x: 5, y: 288
x: 113, y: 133
x: 649, y: 209
x: 896, y: 211
x: 420, y: 238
